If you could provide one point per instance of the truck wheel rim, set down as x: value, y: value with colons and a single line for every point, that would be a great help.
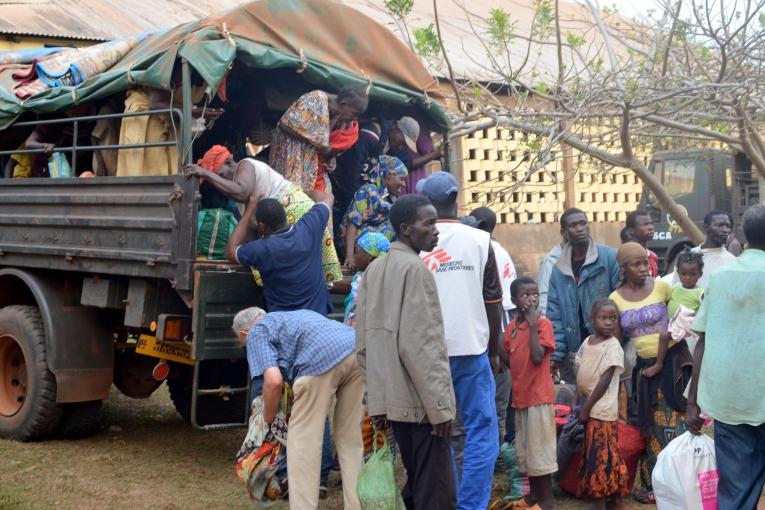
x: 13, y: 376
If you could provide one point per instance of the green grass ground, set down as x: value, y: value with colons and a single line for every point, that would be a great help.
x: 144, y: 457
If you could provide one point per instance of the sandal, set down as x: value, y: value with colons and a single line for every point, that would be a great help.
x: 644, y: 497
x: 502, y: 504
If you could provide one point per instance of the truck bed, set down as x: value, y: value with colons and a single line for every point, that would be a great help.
x: 128, y: 226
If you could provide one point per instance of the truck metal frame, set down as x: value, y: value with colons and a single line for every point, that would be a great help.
x: 700, y: 180
x: 89, y: 267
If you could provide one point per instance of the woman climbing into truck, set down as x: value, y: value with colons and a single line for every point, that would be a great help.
x: 239, y: 180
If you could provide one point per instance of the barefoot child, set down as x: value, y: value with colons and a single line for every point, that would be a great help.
x: 602, y: 472
x: 529, y: 341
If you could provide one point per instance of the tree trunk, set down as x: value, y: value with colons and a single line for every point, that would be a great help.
x: 668, y: 203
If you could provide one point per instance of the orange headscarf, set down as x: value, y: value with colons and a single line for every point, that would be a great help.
x: 214, y: 158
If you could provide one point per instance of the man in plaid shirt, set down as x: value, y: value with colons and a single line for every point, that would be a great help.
x: 317, y: 356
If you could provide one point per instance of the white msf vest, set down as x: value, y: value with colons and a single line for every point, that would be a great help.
x: 507, y: 274
x: 458, y: 264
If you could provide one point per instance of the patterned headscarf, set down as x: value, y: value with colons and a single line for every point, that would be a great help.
x: 374, y: 244
x: 381, y: 166
x: 390, y: 164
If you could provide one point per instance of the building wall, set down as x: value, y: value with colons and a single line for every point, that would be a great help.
x: 493, y: 163
x: 528, y: 243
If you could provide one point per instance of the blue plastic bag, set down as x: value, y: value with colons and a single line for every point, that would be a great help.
x: 58, y: 166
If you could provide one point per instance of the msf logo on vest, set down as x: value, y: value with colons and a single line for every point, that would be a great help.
x: 439, y: 261
x: 434, y: 259
x: 507, y: 272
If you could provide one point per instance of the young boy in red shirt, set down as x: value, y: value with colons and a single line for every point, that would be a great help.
x: 529, y: 341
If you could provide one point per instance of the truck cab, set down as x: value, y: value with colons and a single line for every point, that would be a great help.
x: 699, y: 180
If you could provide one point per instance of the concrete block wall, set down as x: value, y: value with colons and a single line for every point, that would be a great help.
x: 491, y: 162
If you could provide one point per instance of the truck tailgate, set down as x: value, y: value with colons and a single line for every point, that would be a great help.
x: 221, y: 290
x: 129, y: 226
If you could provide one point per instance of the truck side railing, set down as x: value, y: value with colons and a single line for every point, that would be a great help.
x: 75, y: 121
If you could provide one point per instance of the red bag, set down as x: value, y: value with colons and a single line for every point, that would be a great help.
x: 631, y: 446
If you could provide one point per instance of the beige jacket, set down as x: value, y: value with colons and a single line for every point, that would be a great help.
x: 400, y: 341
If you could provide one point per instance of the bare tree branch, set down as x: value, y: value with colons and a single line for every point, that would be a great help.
x: 446, y: 56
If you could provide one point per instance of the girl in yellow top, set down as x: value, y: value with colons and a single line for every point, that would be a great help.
x: 642, y: 304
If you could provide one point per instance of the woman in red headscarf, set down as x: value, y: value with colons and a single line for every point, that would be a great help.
x: 243, y: 179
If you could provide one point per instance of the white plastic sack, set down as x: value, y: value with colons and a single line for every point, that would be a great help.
x: 685, y: 476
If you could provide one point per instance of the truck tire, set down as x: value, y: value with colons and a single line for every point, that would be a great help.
x: 79, y: 420
x: 28, y: 408
x: 180, y: 391
x: 133, y: 374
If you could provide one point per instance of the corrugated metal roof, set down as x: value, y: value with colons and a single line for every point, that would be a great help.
x: 100, y: 20
x: 462, y: 24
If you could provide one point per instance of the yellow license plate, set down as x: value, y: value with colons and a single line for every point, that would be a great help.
x: 150, y: 346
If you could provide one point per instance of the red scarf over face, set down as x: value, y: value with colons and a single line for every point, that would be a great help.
x: 343, y: 139
x: 340, y: 140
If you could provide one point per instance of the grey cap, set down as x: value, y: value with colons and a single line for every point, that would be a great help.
x: 410, y: 128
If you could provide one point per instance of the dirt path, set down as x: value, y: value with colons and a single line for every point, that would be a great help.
x: 145, y: 457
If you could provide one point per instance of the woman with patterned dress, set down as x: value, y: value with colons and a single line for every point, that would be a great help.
x: 642, y: 304
x: 311, y: 133
x: 239, y: 180
x: 371, y: 204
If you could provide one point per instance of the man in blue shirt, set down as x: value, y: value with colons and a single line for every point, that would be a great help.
x: 290, y: 264
x: 728, y: 377
x: 287, y: 256
x: 584, y: 272
x: 317, y: 355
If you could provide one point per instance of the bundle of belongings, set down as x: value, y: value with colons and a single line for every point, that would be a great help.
x: 264, y: 452
x: 214, y: 226
x: 31, y: 72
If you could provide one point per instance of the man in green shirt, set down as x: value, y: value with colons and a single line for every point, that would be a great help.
x: 728, y: 376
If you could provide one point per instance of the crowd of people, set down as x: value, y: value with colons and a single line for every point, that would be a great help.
x: 444, y: 352
x: 454, y: 358
x: 437, y: 316
x: 425, y: 315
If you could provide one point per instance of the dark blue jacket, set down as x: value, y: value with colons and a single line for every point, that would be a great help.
x: 599, y: 277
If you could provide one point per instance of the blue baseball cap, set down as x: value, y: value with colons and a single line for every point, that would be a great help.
x: 438, y: 186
